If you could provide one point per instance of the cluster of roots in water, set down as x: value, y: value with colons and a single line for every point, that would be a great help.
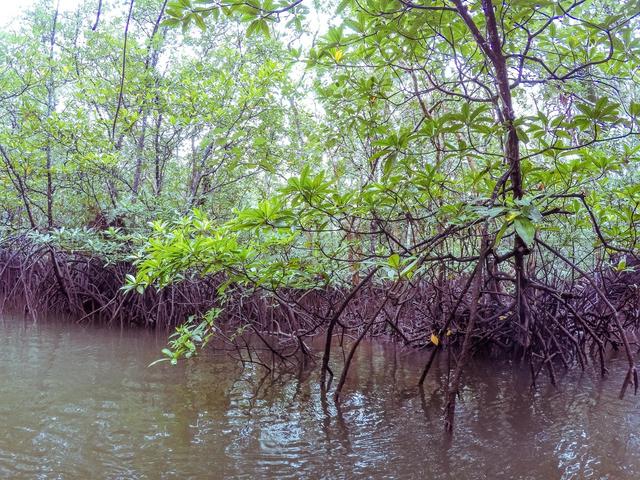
x: 567, y: 323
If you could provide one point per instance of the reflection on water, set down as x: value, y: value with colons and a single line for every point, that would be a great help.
x: 78, y: 403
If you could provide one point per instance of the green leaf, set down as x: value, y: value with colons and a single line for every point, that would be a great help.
x: 200, y: 22
x: 408, y: 271
x: 170, y: 22
x: 258, y: 26
x: 525, y: 229
x: 394, y: 261
x: 388, y: 164
x: 500, y: 233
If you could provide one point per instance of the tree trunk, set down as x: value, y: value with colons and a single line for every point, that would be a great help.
x: 50, y: 109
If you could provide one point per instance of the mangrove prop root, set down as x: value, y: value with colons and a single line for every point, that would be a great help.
x: 571, y: 322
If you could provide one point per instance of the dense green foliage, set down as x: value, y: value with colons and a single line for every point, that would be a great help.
x: 201, y: 115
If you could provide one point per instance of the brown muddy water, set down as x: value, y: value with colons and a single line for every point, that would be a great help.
x: 81, y: 403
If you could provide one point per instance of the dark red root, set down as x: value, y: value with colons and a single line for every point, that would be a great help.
x: 568, y: 324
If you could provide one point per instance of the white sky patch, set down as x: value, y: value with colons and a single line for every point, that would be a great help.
x: 12, y: 10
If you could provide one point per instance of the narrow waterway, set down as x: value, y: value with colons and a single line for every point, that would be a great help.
x: 80, y: 403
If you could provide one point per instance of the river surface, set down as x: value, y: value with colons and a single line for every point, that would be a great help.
x: 80, y: 403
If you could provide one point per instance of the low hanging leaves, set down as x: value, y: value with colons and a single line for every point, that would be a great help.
x: 525, y: 229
